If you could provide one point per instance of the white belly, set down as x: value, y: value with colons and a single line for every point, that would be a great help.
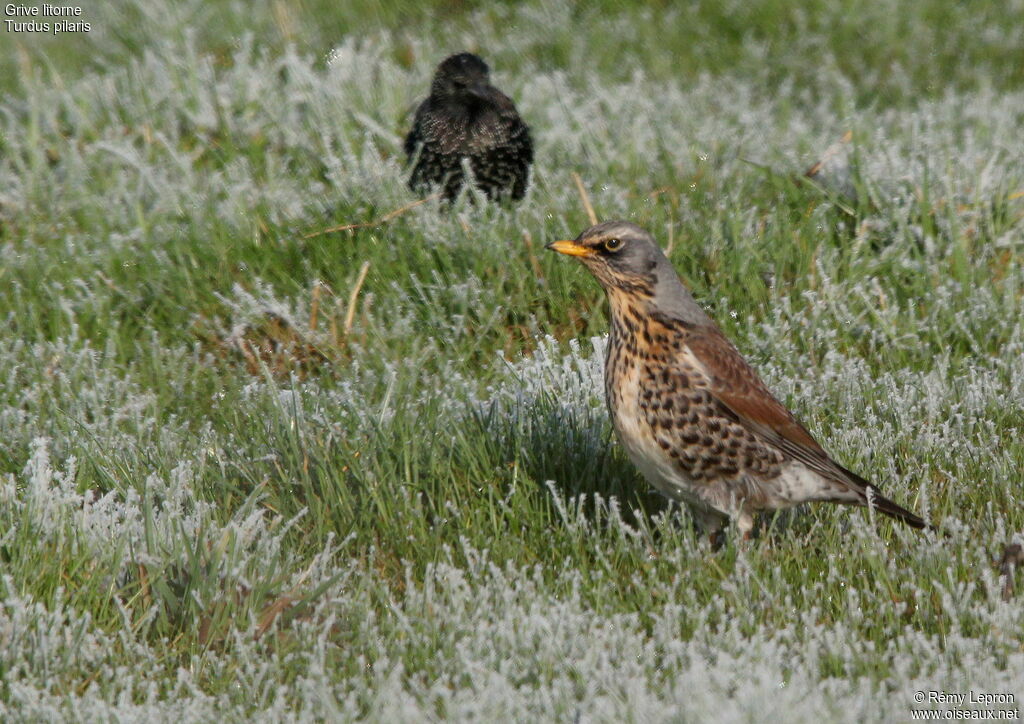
x: 658, y: 468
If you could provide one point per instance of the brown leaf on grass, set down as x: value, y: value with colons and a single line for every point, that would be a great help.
x: 1013, y: 556
x: 831, y: 153
x: 276, y: 344
x: 271, y: 611
x: 269, y: 342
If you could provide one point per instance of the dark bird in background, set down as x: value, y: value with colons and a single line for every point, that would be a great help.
x: 693, y: 416
x: 465, y: 117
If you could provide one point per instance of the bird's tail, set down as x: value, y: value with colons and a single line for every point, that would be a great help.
x: 883, y: 505
x: 874, y: 498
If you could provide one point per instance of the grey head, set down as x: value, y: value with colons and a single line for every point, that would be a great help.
x: 462, y: 78
x: 632, y: 268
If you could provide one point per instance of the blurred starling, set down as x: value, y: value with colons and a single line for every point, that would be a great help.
x: 465, y: 117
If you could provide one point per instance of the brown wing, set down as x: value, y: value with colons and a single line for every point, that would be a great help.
x: 739, y: 389
x: 740, y: 392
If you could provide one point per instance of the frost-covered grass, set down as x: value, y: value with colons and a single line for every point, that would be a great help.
x: 236, y: 482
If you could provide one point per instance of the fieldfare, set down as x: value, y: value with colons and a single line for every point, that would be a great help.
x: 693, y: 416
x: 465, y: 118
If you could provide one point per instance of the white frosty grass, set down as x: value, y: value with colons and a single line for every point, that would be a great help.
x: 486, y: 641
x: 172, y: 148
x: 496, y: 642
x: 142, y: 135
x: 492, y: 642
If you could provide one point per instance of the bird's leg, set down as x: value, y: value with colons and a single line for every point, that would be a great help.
x: 717, y: 539
x: 745, y: 527
x: 711, y: 524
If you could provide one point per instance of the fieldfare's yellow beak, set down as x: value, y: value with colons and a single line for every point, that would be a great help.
x: 571, y: 248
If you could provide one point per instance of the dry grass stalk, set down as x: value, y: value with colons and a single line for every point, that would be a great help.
x: 585, y: 198
x: 376, y: 222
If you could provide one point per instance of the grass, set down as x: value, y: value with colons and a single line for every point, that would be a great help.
x: 250, y: 470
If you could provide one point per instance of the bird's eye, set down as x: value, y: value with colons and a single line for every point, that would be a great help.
x: 613, y: 244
